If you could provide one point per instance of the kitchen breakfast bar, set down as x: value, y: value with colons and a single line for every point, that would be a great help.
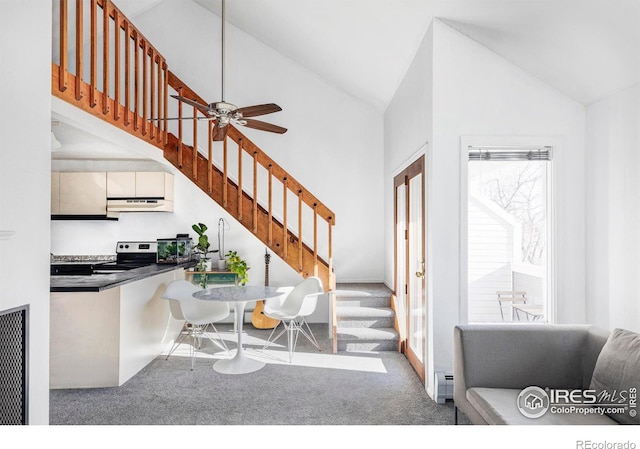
x: 105, y: 328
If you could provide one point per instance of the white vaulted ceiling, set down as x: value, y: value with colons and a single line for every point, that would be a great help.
x: 584, y: 48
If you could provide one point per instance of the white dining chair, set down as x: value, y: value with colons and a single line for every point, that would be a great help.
x: 197, y: 314
x: 292, y: 309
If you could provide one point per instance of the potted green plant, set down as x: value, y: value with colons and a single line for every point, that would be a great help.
x: 238, y: 266
x: 202, y: 247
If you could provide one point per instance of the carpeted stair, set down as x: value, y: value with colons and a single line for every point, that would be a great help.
x: 365, y: 320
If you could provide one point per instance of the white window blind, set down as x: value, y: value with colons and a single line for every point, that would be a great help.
x: 510, y: 153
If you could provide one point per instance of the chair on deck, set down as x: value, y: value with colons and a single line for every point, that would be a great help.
x: 512, y: 298
x: 197, y: 314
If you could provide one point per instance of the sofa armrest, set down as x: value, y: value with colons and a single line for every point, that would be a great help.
x: 519, y: 355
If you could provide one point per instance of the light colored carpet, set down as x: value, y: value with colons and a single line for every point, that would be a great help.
x: 317, y: 388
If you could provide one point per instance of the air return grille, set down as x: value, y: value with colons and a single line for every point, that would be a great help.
x: 13, y: 366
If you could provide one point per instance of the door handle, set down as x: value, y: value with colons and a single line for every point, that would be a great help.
x: 420, y: 274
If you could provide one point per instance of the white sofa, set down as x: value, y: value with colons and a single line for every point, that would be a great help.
x: 494, y: 363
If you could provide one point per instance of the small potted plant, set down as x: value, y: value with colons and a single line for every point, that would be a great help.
x: 238, y: 266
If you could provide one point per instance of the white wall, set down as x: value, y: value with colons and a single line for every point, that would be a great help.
x: 334, y: 142
x: 613, y: 210
x: 478, y: 93
x: 408, y: 125
x: 25, y: 89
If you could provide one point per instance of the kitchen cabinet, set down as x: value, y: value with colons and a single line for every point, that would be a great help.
x: 140, y: 185
x: 121, y: 184
x: 81, y: 193
x: 102, y: 339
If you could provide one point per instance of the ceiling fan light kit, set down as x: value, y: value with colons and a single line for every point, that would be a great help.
x: 224, y: 113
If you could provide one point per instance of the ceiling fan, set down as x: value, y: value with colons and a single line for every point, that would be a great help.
x: 224, y: 113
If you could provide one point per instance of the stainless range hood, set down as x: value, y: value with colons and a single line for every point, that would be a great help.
x: 139, y: 205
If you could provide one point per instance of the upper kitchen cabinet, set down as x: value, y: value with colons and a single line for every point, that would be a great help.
x: 157, y: 185
x: 80, y: 193
x: 104, y: 195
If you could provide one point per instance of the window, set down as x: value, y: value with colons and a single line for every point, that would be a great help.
x: 509, y: 234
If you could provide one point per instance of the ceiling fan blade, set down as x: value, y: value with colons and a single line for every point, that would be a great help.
x: 219, y: 132
x: 203, y: 108
x: 180, y: 118
x: 260, y: 109
x: 264, y: 126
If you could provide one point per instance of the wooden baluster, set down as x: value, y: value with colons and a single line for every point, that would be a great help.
x: 255, y: 192
x: 93, y: 77
x: 225, y: 173
x: 116, y: 79
x: 180, y: 129
x: 152, y: 93
x: 300, y: 231
x: 145, y: 87
x: 79, y: 55
x: 285, y: 232
x: 195, y: 144
x: 160, y: 94
x: 315, y: 239
x: 165, y: 68
x: 210, y: 156
x: 136, y: 82
x: 270, y: 231
x: 105, y: 58
x: 64, y: 56
x: 240, y: 179
x: 127, y: 73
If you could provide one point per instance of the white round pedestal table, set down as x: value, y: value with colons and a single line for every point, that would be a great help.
x: 239, y: 296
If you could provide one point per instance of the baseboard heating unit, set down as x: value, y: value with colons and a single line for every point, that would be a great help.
x: 443, y: 387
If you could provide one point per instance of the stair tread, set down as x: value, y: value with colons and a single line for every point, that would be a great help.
x: 364, y: 312
x: 366, y: 333
x: 367, y: 289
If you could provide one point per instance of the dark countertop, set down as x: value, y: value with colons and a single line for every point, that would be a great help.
x: 100, y: 282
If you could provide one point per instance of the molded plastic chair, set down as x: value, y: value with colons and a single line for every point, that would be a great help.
x: 198, y: 315
x: 292, y: 309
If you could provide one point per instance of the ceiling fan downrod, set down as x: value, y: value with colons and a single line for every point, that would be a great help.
x: 222, y: 78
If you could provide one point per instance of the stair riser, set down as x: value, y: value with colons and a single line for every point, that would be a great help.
x: 364, y: 346
x: 371, y: 322
x: 364, y: 302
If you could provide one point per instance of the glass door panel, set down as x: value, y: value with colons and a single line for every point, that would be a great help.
x: 416, y: 270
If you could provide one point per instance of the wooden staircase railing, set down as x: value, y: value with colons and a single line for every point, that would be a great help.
x: 129, y: 84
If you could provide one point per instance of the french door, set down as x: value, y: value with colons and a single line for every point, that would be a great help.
x: 409, y: 258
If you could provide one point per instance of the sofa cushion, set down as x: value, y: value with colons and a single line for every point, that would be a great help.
x: 617, y: 371
x: 499, y: 406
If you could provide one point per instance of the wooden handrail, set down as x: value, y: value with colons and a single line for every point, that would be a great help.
x: 142, y: 110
